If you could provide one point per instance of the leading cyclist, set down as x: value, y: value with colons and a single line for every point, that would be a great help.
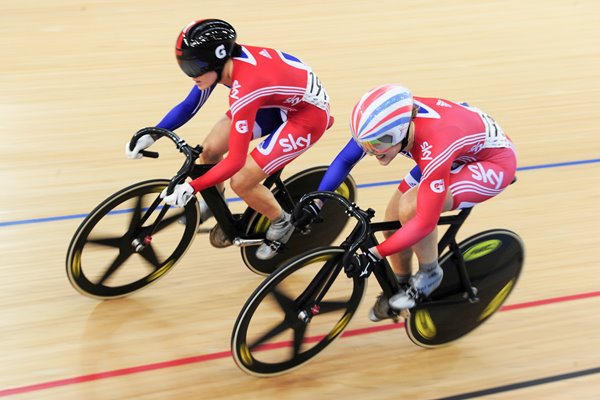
x: 272, y: 94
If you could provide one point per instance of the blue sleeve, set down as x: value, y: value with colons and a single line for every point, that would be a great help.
x: 341, y: 166
x: 184, y: 111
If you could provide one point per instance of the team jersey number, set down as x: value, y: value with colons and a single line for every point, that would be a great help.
x: 315, y: 91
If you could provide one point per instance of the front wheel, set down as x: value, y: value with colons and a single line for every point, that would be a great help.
x: 321, y: 234
x: 102, y: 259
x: 493, y: 261
x: 272, y: 334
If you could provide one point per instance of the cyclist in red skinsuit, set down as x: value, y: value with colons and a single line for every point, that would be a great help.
x: 259, y: 79
x: 456, y: 157
x: 266, y: 78
x: 463, y: 158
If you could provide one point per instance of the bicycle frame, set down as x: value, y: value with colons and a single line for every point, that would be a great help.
x: 363, y: 237
x: 448, y: 240
x: 232, y: 225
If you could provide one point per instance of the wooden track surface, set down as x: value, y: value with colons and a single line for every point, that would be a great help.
x: 77, y: 79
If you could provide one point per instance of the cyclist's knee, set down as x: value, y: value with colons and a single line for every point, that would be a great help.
x: 244, y: 181
x: 211, y: 154
x: 238, y: 185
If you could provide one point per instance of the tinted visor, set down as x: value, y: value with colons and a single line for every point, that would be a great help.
x: 193, y: 68
x: 378, y: 146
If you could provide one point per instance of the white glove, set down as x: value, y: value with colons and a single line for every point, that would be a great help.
x: 181, y: 195
x: 142, y: 144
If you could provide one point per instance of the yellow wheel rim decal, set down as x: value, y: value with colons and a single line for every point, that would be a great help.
x: 262, y: 225
x: 245, y: 355
x: 497, y: 301
x: 425, y: 325
x: 161, y: 271
x: 76, y: 264
x: 343, y: 190
x: 339, y: 327
x: 481, y: 249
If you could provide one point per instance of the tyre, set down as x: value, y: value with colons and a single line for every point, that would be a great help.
x: 102, y: 261
x: 321, y: 234
x: 270, y: 337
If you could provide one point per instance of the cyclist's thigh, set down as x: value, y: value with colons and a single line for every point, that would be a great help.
x: 475, y: 182
x: 292, y: 138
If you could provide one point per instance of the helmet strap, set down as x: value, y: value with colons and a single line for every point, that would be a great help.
x: 219, y: 72
x: 405, y: 140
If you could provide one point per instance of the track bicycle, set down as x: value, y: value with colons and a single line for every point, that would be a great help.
x: 304, y: 305
x: 132, y: 238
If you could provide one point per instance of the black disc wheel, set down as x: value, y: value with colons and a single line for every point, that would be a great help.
x: 295, y: 313
x: 493, y: 260
x: 323, y: 233
x: 114, y: 253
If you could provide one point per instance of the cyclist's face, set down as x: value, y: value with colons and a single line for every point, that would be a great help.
x: 205, y: 80
x: 387, y: 157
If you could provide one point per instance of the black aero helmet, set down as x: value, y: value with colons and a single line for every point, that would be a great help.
x: 205, y: 45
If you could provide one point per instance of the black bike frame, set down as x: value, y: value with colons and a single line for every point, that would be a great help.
x: 363, y: 237
x: 234, y: 225
x: 448, y: 240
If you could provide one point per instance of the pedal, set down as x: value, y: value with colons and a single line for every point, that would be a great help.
x: 396, y: 315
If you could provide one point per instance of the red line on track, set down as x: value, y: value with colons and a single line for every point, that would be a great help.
x: 224, y: 354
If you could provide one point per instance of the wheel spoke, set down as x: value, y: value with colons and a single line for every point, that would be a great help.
x: 299, y: 334
x: 289, y: 320
x: 276, y: 330
x: 149, y: 255
x: 136, y: 216
x: 286, y: 304
x: 106, y: 241
x: 116, y: 264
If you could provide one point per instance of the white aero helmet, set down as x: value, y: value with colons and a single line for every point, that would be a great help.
x: 381, y: 118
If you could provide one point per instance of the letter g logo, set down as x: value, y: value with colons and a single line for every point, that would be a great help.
x: 437, y: 186
x: 241, y: 126
x: 220, y: 51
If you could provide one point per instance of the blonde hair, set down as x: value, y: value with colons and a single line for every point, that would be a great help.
x: 415, y: 111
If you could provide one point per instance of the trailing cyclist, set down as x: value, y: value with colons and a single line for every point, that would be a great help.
x: 463, y: 158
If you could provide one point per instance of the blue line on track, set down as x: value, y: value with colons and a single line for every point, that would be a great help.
x: 236, y: 199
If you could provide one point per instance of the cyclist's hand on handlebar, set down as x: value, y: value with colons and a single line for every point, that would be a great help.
x: 142, y: 144
x: 307, y: 214
x: 181, y: 195
x: 363, y: 264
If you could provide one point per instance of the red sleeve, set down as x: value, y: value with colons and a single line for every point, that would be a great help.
x: 240, y: 136
x: 430, y: 202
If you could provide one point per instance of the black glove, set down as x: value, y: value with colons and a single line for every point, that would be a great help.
x: 306, y: 215
x: 362, y: 265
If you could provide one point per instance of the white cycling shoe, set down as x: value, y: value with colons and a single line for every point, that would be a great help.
x: 280, y: 231
x: 421, y: 285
